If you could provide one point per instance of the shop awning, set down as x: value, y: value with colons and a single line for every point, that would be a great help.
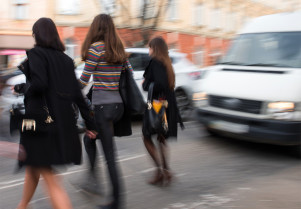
x: 12, y: 52
x: 16, y: 42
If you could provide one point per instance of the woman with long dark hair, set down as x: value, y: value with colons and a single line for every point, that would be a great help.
x: 105, y: 58
x: 160, y: 72
x: 51, y: 83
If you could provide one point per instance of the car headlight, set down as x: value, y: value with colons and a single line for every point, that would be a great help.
x: 281, y: 107
x: 200, y: 99
x: 283, y: 111
x: 195, y: 75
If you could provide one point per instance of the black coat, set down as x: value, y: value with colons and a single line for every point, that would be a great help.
x: 51, y: 78
x: 156, y: 73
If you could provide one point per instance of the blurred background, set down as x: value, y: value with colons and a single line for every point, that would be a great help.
x: 200, y: 28
x: 210, y: 172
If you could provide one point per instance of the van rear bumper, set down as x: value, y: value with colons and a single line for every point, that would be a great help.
x: 250, y: 129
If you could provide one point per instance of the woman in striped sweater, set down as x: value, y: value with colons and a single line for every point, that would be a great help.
x: 105, y: 57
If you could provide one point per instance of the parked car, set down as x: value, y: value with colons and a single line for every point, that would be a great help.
x: 7, y: 74
x: 254, y: 92
x: 187, y: 78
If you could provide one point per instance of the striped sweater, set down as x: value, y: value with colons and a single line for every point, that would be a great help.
x: 105, y: 75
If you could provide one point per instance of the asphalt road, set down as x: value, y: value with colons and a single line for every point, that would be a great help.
x: 210, y: 173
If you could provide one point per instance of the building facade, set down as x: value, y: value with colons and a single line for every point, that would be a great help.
x: 202, y: 29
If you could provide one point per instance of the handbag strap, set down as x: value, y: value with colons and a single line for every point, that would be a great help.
x: 150, y: 92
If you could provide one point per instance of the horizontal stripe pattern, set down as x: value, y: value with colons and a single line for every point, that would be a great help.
x: 105, y: 75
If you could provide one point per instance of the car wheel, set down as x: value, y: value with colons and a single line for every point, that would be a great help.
x: 297, y: 151
x: 184, y: 104
x: 211, y: 132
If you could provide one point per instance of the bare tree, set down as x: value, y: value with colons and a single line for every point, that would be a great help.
x: 151, y: 14
x: 109, y: 6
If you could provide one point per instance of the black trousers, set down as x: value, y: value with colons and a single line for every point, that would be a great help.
x: 90, y: 146
x: 105, y: 116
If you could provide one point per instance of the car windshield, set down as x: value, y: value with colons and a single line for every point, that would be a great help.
x: 281, y: 49
x: 140, y: 60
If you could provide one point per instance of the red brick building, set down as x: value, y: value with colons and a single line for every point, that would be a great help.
x: 189, y: 44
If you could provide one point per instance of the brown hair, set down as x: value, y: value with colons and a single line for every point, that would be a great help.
x: 103, y: 29
x: 160, y: 52
x: 46, y: 35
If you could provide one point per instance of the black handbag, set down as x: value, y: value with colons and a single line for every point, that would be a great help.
x: 130, y: 93
x: 31, y: 123
x: 154, y: 122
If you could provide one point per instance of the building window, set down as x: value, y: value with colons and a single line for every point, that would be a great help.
x: 234, y: 21
x: 214, y: 56
x: 150, y: 9
x: 139, y: 8
x: 146, y: 9
x: 198, y: 14
x: 108, y: 6
x: 216, y: 19
x: 173, y: 10
x: 227, y: 22
x: 68, y: 7
x: 20, y: 9
x: 198, y: 57
x: 70, y: 47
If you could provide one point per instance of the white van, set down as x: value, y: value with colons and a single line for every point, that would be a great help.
x: 254, y: 92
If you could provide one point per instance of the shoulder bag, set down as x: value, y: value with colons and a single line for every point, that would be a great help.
x: 130, y: 93
x: 154, y: 120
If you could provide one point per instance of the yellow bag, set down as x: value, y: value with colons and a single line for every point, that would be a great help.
x: 157, y: 104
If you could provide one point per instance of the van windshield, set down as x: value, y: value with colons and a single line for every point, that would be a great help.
x: 281, y: 49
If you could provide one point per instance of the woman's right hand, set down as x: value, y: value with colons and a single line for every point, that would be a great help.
x: 19, y: 88
x: 91, y: 134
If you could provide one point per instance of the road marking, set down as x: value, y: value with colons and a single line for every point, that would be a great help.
x: 177, y: 205
x: 37, y: 200
x: 181, y: 174
x: 131, y: 158
x: 147, y: 170
x: 127, y: 176
x: 11, y: 182
x: 244, y: 188
x: 71, y: 172
x: 61, y: 174
x: 9, y: 186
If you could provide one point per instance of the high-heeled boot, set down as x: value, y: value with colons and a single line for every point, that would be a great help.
x: 168, y: 177
x: 158, y: 177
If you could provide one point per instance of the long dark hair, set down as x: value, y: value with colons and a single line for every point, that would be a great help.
x: 46, y: 35
x: 160, y: 52
x: 103, y: 29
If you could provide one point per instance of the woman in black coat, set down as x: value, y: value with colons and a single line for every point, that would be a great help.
x: 160, y: 72
x: 51, y: 83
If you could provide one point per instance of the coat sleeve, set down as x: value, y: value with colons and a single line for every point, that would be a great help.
x: 83, y: 106
x: 85, y: 111
x: 38, y: 71
x: 159, y: 77
x: 147, y: 77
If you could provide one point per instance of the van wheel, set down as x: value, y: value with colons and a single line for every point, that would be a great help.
x: 184, y: 104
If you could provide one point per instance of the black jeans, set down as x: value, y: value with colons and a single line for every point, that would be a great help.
x: 105, y: 116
